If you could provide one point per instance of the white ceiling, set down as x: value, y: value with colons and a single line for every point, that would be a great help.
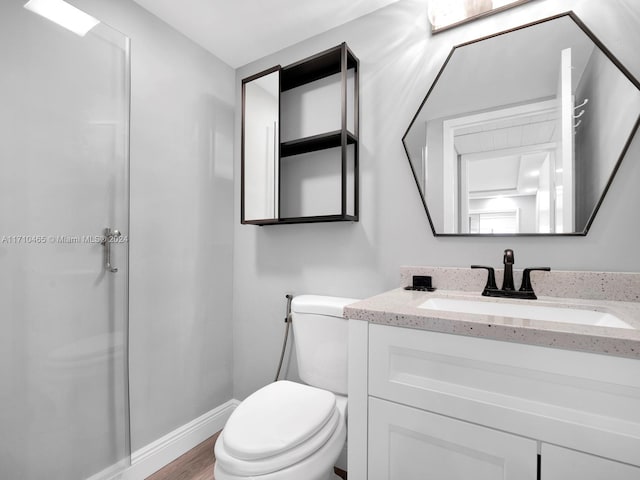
x: 241, y: 31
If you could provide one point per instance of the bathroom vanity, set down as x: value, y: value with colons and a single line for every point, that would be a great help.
x: 550, y: 390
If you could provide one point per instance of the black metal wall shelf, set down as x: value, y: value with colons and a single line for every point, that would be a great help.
x: 321, y: 65
x: 315, y: 143
x: 337, y: 60
x: 315, y: 219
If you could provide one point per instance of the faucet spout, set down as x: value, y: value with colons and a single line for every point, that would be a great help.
x: 508, y: 260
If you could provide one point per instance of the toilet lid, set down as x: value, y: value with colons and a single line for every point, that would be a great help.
x: 277, y: 418
x: 250, y: 468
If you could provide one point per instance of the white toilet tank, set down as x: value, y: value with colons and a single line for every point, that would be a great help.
x: 321, y: 338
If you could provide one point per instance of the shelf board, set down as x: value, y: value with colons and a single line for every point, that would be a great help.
x: 315, y: 67
x: 292, y: 220
x: 314, y: 143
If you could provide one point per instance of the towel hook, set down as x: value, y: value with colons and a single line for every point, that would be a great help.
x: 586, y: 100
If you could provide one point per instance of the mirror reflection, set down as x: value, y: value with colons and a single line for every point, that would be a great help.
x: 522, y: 132
x: 260, y: 144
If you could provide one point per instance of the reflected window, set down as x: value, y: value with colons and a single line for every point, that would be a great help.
x: 494, y: 222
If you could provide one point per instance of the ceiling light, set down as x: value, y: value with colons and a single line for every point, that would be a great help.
x: 535, y: 173
x: 559, y: 170
x: 63, y: 14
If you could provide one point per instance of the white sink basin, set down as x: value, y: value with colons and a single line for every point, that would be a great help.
x: 526, y: 311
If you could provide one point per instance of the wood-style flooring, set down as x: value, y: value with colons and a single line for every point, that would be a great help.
x: 197, y: 464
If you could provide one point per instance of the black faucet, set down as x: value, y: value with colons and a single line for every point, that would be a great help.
x: 508, y: 289
x: 508, y: 260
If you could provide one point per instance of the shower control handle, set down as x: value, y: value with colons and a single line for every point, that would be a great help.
x: 109, y: 236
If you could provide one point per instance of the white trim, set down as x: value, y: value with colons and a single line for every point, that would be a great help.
x: 112, y: 472
x: 449, y: 178
x: 513, y: 151
x: 157, y: 454
x: 357, y: 419
x: 567, y: 101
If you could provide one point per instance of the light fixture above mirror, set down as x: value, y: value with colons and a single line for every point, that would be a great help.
x: 523, y: 131
x: 445, y: 14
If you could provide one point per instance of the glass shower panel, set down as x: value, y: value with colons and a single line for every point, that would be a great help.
x: 64, y: 140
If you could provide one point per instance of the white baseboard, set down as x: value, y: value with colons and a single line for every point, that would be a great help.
x: 159, y: 453
x: 112, y: 472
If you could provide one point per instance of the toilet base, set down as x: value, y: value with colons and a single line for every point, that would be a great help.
x: 332, y: 476
x: 218, y: 473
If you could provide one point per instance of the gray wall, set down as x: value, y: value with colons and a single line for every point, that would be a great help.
x: 598, y: 143
x: 181, y: 233
x: 435, y: 173
x: 399, y: 60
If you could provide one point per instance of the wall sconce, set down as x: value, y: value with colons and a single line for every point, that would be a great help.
x: 445, y: 14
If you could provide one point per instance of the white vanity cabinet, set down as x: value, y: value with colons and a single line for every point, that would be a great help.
x: 408, y: 443
x: 562, y: 464
x: 428, y: 405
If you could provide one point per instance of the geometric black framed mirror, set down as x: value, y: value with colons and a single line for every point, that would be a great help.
x: 522, y: 132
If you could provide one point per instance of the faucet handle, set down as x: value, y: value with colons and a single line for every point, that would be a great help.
x: 508, y: 257
x: 526, y: 279
x: 491, y: 278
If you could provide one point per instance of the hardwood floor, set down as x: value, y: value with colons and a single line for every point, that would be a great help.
x: 197, y: 464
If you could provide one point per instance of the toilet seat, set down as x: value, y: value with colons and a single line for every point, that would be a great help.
x: 288, y: 447
x: 278, y: 418
x: 274, y: 463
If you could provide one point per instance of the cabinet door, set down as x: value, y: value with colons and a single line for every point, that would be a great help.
x: 563, y: 464
x: 410, y: 444
x: 259, y: 147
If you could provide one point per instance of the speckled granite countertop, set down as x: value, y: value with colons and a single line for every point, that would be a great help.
x: 399, y: 307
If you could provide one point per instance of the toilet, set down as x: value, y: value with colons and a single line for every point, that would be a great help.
x: 288, y: 430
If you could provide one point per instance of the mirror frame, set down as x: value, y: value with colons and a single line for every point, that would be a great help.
x: 614, y: 170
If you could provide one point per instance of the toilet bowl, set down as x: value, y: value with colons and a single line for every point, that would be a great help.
x: 288, y: 430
